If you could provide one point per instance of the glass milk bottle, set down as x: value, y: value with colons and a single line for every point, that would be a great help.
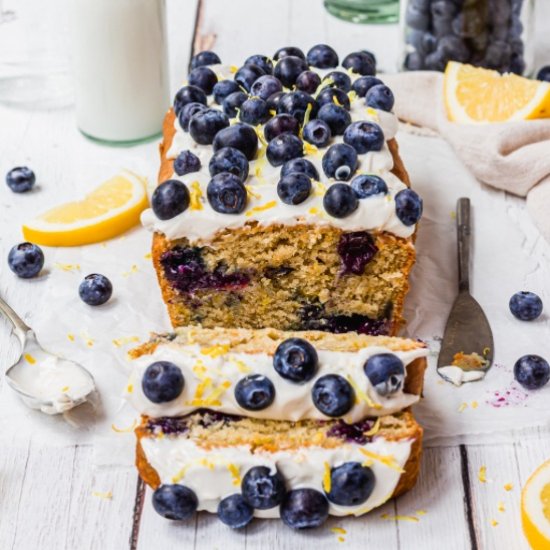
x: 121, y: 69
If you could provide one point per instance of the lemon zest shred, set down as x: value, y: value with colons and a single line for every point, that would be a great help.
x: 482, y: 474
x: 463, y: 407
x: 129, y: 388
x: 375, y: 429
x: 372, y: 112
x: 360, y: 395
x: 508, y: 486
x: 494, y: 523
x: 386, y: 460
x: 241, y: 365
x: 234, y: 471
x: 124, y: 430
x: 327, y: 482
x: 216, y: 350
x: 107, y: 495
x: 65, y: 389
x: 71, y: 337
x: 29, y: 359
x: 253, y: 193
x: 233, y: 68
x: 261, y: 208
x: 195, y: 196
x: 338, y: 530
x: 474, y: 404
x: 352, y: 94
x: 181, y: 474
x: 400, y: 517
x: 148, y: 256
x: 500, y: 506
x: 310, y: 149
x: 421, y: 512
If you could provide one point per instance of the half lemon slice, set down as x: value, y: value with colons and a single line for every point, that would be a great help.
x: 535, y: 508
x: 109, y: 210
x: 474, y: 95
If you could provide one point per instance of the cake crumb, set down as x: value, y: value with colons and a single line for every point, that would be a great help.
x: 108, y: 495
x: 469, y: 360
x: 482, y: 474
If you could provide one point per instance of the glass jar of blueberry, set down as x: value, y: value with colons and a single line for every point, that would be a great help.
x: 495, y: 34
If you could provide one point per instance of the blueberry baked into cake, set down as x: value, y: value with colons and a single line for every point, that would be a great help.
x: 282, y: 199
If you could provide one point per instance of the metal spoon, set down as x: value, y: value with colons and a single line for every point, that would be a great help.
x: 35, y: 362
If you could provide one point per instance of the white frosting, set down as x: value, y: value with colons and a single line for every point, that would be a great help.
x: 455, y: 375
x: 375, y: 213
x: 207, y: 473
x: 292, y: 401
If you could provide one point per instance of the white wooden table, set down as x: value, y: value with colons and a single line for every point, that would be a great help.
x: 49, y: 495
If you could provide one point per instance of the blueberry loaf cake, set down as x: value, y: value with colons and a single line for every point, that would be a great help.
x: 277, y: 375
x: 282, y: 200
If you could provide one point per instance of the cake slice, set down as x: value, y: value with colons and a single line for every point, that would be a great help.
x: 300, y: 471
x: 277, y: 375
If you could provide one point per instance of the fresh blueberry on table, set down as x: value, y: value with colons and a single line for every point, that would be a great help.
x: 380, y: 97
x: 544, y: 73
x: 280, y: 124
x: 302, y: 166
x: 254, y: 111
x: 333, y: 395
x: 340, y: 161
x: 337, y: 118
x: 317, y: 132
x: 255, y: 392
x: 266, y: 86
x: 263, y: 489
x: 226, y: 193
x: 247, y: 75
x: 95, y: 289
x: 416, y: 18
x: 337, y: 79
x: 304, y: 509
x: 308, y: 82
x: 204, y: 125
x: 223, y: 88
x: 296, y: 360
x: 162, y: 382
x: 532, y: 372
x: 175, y: 502
x: 351, y: 484
x: 288, y: 51
x: 273, y: 100
x: 364, y: 136
x: 186, y: 163
x: 288, y: 68
x: 188, y: 94
x: 202, y: 59
x: 241, y: 136
x: 261, y: 61
x: 408, y: 206
x: 187, y: 112
x: 333, y: 95
x: 169, y: 199
x: 340, y: 200
x: 363, y: 84
x: 20, y: 179
x: 322, y: 57
x: 294, y: 188
x: 368, y: 185
x: 283, y: 148
x: 229, y: 159
x: 297, y: 104
x: 362, y: 63
x: 385, y: 372
x: 26, y: 260
x: 203, y: 78
x: 525, y: 306
x: 233, y: 102
x: 235, y: 512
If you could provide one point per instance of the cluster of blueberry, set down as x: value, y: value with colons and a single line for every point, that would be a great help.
x: 295, y: 105
x: 485, y: 33
x: 294, y: 360
x: 351, y: 484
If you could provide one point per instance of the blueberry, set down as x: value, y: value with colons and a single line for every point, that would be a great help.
x: 340, y: 161
x: 455, y: 48
x: 288, y: 50
x: 416, y: 18
x: 223, y: 88
x: 408, y: 206
x: 333, y: 95
x: 202, y: 59
x: 337, y: 79
x: 247, y: 75
x: 20, y: 179
x: 296, y: 104
x: 302, y: 166
x: 443, y: 12
x: 364, y: 83
x: 351, y: 484
x: 544, y: 73
x: 362, y: 63
x: 26, y: 260
x: 284, y: 147
x: 273, y: 100
x: 254, y: 111
x: 187, y: 112
x: 304, y: 509
x: 229, y: 159
x: 262, y: 489
x: 380, y: 97
x: 317, y: 132
x: 414, y: 61
x: 288, y: 68
x: 162, y: 382
x: 261, y: 61
x: 470, y: 23
x: 175, y: 502
x: 240, y: 136
x: 385, y: 372
x: 368, y: 185
x: 532, y: 372
x: 279, y: 125
x: 204, y: 125
x: 265, y: 87
x: 436, y: 61
x: 255, y: 392
x: 294, y: 188
x: 226, y: 193
x: 186, y: 163
x: 235, y: 511
x: 295, y: 359
x: 337, y: 118
x: 203, y: 78
x: 364, y: 136
x: 340, y: 200
x: 188, y: 94
x: 525, y: 306
x: 308, y: 82
x: 333, y: 395
x: 169, y: 199
x: 95, y: 289
x: 233, y: 102
x: 322, y: 57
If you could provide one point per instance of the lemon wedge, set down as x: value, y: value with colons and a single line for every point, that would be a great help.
x: 535, y: 508
x: 474, y: 95
x: 108, y: 211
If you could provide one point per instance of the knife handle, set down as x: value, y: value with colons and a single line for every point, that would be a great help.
x: 463, y: 231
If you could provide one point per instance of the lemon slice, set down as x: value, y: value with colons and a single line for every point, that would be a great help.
x: 474, y: 95
x: 535, y: 508
x: 109, y: 210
